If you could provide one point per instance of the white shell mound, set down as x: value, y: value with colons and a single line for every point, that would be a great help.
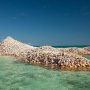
x: 11, y: 46
x: 61, y: 58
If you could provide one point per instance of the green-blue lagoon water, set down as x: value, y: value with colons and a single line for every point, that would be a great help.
x: 19, y: 76
x: 87, y: 56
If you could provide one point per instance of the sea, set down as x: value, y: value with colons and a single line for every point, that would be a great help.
x: 67, y: 46
x: 15, y: 75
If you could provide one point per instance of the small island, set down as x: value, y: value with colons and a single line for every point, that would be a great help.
x: 47, y: 56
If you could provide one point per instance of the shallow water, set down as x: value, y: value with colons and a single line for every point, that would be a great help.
x: 87, y: 56
x: 18, y: 76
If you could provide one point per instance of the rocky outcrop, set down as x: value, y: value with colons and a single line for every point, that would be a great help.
x: 47, y: 56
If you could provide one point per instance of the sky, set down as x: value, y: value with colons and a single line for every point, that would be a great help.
x: 46, y: 22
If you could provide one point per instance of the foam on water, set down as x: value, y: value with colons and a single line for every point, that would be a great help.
x: 19, y: 76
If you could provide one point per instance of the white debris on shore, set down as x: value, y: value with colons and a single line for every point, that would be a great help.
x: 47, y: 56
x: 75, y: 50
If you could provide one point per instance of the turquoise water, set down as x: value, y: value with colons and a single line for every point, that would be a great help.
x: 19, y: 76
x: 87, y: 56
x: 79, y: 46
